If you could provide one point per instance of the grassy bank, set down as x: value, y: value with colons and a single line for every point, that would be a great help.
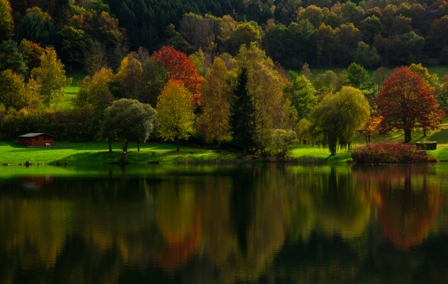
x: 96, y: 153
x: 12, y: 153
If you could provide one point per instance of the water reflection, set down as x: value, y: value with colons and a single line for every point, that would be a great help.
x: 252, y: 224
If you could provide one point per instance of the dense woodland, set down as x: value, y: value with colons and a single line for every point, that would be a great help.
x: 230, y: 57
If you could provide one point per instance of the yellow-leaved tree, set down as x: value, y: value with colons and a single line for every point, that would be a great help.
x: 216, y: 94
x: 175, y: 107
x: 50, y: 76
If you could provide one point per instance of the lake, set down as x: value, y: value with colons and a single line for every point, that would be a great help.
x: 224, y: 224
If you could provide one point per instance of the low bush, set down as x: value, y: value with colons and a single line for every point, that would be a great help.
x: 390, y: 153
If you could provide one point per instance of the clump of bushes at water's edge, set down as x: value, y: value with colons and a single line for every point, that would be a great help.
x: 390, y: 153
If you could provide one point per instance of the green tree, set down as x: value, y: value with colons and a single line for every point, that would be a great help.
x: 244, y: 34
x: 215, y: 95
x: 358, y: 76
x: 11, y: 58
x: 128, y: 120
x: 6, y: 20
x: 347, y: 37
x: 31, y: 53
x: 301, y: 92
x: 175, y: 39
x: 50, y: 76
x: 73, y: 46
x: 14, y: 93
x: 265, y: 85
x: 130, y: 76
x: 94, y: 92
x: 37, y: 26
x: 370, y: 27
x: 175, y: 107
x: 338, y: 116
x: 366, y: 55
x: 242, y: 117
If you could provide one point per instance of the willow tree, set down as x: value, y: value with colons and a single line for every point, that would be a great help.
x: 338, y: 116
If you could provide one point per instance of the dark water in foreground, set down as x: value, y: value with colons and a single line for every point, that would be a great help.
x: 250, y: 224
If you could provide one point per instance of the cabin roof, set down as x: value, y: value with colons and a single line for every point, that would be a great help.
x: 31, y: 135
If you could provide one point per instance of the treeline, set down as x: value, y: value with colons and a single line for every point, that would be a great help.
x: 90, y: 34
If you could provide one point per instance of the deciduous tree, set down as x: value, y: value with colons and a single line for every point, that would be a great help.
x: 181, y: 68
x: 175, y: 107
x: 216, y: 94
x: 6, y: 20
x: 31, y: 53
x: 94, y: 91
x: 406, y: 102
x: 50, y: 76
x: 128, y: 120
x: 338, y: 116
x: 13, y: 91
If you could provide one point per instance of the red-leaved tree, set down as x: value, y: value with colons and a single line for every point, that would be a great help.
x: 407, y: 103
x: 181, y: 68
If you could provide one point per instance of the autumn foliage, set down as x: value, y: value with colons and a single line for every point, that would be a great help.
x: 390, y: 153
x: 181, y: 68
x: 407, y: 103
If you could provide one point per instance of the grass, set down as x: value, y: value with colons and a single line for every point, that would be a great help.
x: 97, y: 153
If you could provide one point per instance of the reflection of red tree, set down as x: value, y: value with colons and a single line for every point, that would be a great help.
x: 177, y: 254
x: 406, y: 215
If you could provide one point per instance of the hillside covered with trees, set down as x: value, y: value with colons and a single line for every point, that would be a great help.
x: 228, y: 58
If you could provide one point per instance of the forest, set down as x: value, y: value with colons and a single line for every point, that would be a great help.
x: 240, y: 69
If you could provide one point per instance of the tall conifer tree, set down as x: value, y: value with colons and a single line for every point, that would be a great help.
x: 242, y: 118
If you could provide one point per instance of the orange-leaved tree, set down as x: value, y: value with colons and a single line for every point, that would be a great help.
x: 407, y: 103
x: 181, y: 68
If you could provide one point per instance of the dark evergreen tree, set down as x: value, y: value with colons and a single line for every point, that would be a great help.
x: 11, y: 58
x: 242, y: 117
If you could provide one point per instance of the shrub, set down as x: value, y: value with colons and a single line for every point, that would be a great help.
x: 390, y: 153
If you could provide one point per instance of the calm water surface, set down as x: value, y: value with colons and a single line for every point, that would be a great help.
x: 226, y: 224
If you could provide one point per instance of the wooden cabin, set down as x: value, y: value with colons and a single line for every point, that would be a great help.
x: 37, y: 139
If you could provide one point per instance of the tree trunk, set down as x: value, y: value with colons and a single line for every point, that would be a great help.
x: 123, y: 159
x: 138, y: 145
x: 177, y: 143
x: 219, y: 145
x: 110, y: 145
x: 332, y: 142
x: 407, y: 136
x: 125, y: 147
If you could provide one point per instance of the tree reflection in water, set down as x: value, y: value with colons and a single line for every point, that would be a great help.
x: 282, y: 224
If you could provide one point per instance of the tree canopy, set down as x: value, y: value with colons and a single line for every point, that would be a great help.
x: 338, y: 116
x: 128, y: 120
x: 407, y: 103
x: 175, y: 107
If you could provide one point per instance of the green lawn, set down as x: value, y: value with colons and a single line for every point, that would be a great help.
x: 97, y: 153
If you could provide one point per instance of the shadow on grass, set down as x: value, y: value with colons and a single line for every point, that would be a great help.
x: 87, y: 158
x: 13, y: 144
x: 441, y: 136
